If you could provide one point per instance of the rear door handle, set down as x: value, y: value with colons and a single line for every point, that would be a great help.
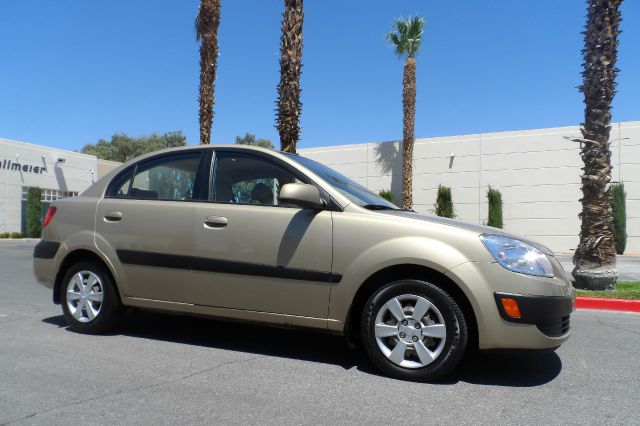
x: 215, y: 222
x: 113, y: 216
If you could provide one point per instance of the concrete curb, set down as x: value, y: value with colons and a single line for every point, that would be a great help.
x: 608, y: 304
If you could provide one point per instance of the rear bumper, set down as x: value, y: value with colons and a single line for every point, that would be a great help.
x: 550, y: 314
x: 44, y: 254
x: 46, y: 249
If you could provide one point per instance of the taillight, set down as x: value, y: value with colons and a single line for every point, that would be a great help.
x: 48, y: 216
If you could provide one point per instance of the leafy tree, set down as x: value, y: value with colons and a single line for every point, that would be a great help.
x: 34, y: 212
x: 495, y: 208
x: 595, y: 256
x: 406, y: 38
x: 619, y: 208
x: 444, y: 202
x: 250, y: 139
x: 289, y: 104
x: 206, y: 26
x: 122, y: 147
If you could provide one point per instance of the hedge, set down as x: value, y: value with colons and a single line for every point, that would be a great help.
x: 495, y: 208
x: 619, y: 207
x: 34, y: 212
x: 444, y: 203
x: 387, y: 195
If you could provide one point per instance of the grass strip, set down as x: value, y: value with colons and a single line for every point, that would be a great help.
x: 629, y: 290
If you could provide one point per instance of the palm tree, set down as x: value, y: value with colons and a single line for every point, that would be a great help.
x: 406, y: 38
x: 206, y: 24
x: 595, y: 256
x: 289, y: 105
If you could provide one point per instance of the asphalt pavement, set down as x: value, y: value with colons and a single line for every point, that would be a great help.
x: 163, y: 369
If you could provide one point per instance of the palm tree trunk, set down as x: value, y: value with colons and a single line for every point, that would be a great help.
x: 209, y: 20
x: 595, y: 256
x: 289, y: 105
x: 408, y: 128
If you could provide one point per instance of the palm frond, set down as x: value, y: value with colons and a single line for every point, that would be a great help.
x: 197, y: 26
x: 407, y: 36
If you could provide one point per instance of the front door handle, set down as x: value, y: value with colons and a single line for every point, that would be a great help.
x: 215, y: 222
x: 113, y: 216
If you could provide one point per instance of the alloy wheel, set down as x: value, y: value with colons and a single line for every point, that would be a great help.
x: 410, y: 331
x: 84, y: 296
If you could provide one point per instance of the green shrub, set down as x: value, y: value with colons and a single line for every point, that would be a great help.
x: 618, y: 204
x: 5, y: 235
x: 17, y: 235
x: 387, y: 195
x: 34, y: 212
x: 495, y: 208
x: 444, y: 202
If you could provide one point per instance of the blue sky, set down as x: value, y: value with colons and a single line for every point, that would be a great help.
x: 75, y: 71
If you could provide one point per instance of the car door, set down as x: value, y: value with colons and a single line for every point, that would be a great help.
x: 145, y: 223
x: 253, y: 252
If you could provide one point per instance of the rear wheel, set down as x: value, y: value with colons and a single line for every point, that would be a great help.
x: 89, y: 301
x: 413, y: 330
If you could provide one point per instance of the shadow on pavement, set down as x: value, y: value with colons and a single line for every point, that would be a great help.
x: 518, y: 369
x: 515, y: 369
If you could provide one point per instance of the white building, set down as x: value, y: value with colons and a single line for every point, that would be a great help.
x: 57, y: 172
x: 537, y: 171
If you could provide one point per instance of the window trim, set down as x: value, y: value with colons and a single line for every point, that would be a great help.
x: 111, y: 188
x: 133, y: 169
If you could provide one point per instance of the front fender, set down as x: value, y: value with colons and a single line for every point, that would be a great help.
x: 410, y: 250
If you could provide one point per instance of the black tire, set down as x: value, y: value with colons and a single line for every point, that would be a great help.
x: 455, y: 342
x: 110, y: 308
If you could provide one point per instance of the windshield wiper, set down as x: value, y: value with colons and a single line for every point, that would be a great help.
x: 378, y: 207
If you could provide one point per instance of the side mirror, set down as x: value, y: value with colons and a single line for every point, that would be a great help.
x: 302, y: 195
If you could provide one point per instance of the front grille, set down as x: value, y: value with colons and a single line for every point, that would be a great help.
x: 554, y: 327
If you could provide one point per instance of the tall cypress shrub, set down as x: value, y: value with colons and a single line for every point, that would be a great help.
x: 495, y: 208
x: 387, y: 195
x: 34, y: 207
x: 444, y: 202
x: 619, y: 207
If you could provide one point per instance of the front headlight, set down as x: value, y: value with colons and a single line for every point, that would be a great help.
x: 518, y: 256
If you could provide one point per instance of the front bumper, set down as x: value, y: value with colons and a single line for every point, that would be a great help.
x: 550, y: 314
x: 481, y: 282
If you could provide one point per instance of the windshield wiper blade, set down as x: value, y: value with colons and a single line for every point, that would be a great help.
x: 378, y: 207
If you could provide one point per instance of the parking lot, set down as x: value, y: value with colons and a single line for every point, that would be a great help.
x: 162, y: 369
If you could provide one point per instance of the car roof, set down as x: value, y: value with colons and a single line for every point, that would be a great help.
x: 194, y: 147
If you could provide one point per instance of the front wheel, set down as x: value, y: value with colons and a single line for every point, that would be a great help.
x: 89, y: 301
x: 413, y: 330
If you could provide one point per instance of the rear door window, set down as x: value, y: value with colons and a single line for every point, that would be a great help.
x: 169, y: 177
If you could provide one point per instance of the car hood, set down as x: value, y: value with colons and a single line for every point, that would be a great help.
x: 479, y: 229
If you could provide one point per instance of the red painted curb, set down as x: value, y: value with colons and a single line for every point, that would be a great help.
x: 608, y: 304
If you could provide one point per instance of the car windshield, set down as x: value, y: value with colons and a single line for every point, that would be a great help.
x: 350, y: 189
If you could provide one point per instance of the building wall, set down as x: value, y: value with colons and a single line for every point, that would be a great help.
x: 105, y: 166
x: 39, y: 166
x: 537, y: 171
